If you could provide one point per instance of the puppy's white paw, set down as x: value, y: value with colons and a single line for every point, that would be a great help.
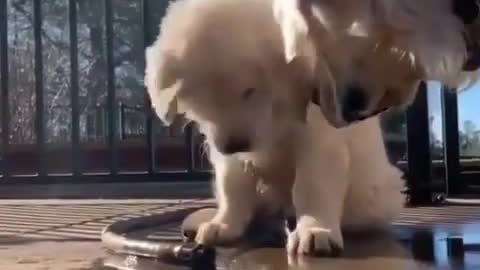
x: 313, y: 239
x: 212, y: 233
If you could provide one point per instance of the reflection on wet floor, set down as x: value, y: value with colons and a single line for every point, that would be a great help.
x: 406, y: 248
x: 61, y: 236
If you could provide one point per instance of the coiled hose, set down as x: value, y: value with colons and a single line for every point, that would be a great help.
x: 116, y: 238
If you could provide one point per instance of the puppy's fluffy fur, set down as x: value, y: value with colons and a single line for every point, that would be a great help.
x: 221, y: 64
x: 384, y: 47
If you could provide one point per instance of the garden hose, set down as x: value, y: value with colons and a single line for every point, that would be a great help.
x: 116, y: 238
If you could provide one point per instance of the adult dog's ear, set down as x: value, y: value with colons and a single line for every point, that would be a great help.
x: 325, y: 93
x: 294, y: 27
x: 162, y: 83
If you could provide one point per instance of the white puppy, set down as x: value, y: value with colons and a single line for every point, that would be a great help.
x: 381, y: 49
x: 221, y: 64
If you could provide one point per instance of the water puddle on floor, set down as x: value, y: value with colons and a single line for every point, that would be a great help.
x: 416, y: 250
x: 365, y: 253
x: 409, y: 249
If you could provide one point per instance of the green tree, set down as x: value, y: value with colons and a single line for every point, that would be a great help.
x: 469, y: 140
x: 128, y: 43
x: 436, y: 145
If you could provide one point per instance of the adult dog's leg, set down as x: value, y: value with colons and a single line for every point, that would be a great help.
x: 318, y: 197
x: 236, y: 196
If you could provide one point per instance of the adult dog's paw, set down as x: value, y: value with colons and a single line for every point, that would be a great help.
x: 213, y: 233
x: 314, y: 240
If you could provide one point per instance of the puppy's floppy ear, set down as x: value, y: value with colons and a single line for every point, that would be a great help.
x: 294, y: 27
x: 162, y: 83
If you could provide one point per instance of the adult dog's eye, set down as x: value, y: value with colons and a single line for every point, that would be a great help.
x: 359, y: 63
x: 248, y: 93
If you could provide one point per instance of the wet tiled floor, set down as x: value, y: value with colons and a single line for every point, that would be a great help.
x: 421, y: 250
x: 64, y: 236
x: 76, y: 220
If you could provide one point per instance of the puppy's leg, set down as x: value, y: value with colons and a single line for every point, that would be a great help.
x: 374, y: 196
x: 318, y: 197
x: 236, y: 196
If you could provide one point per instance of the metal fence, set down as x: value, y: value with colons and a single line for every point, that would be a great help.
x: 68, y: 51
x: 36, y: 153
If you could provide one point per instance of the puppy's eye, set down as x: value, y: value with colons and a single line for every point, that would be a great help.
x: 248, y: 93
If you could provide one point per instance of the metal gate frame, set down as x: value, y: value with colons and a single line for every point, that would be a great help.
x: 77, y: 175
x: 419, y: 161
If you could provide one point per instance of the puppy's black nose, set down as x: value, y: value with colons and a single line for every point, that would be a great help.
x: 354, y: 102
x: 235, y: 145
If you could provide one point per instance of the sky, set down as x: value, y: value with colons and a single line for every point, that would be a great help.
x: 468, y: 106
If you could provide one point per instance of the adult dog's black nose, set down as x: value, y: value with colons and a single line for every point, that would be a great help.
x: 466, y: 10
x: 354, y: 103
x: 235, y: 145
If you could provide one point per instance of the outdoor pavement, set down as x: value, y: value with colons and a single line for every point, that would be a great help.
x: 64, y: 235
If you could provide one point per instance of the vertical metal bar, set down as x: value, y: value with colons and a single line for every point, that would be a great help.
x: 74, y: 91
x: 122, y: 121
x: 454, y: 184
x: 111, y: 99
x: 4, y: 86
x: 418, y: 134
x: 189, y: 147
x: 39, y: 114
x: 150, y: 147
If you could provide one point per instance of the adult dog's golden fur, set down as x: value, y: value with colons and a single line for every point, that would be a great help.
x: 382, y: 48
